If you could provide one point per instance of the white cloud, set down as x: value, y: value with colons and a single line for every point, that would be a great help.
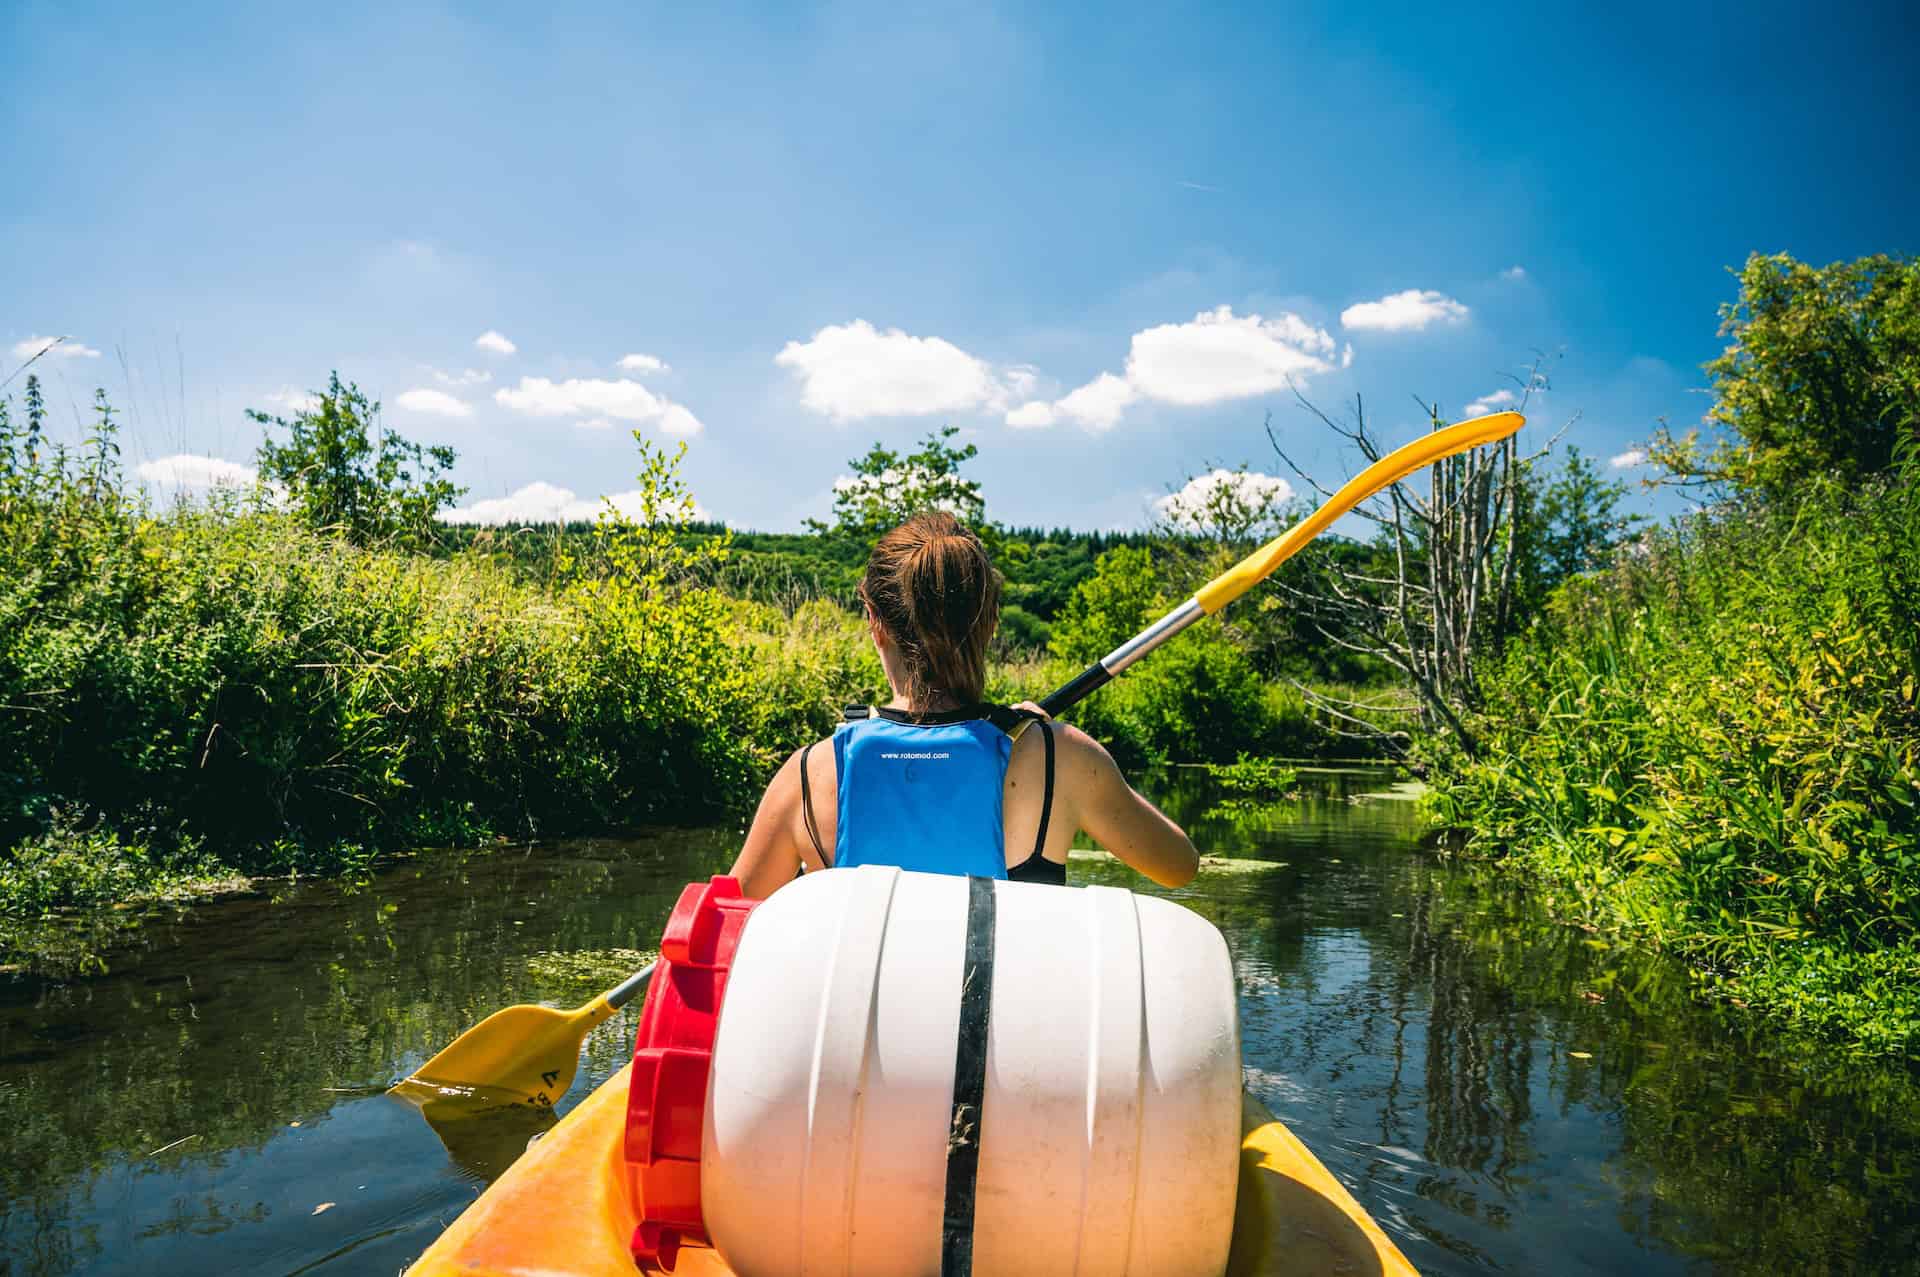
x: 1098, y: 404
x: 594, y: 423
x: 677, y: 420
x: 1196, y: 505
x: 433, y: 403
x: 851, y: 371
x: 1498, y: 401
x: 1220, y: 355
x: 67, y: 349
x: 465, y: 377
x: 542, y: 502
x: 1031, y: 416
x: 494, y: 343
x: 1409, y: 311
x: 1628, y: 459
x: 1216, y: 356
x: 1515, y: 273
x: 620, y: 399
x: 293, y: 400
x: 643, y: 364
x: 184, y: 472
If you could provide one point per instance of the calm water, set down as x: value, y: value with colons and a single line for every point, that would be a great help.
x: 1501, y: 1093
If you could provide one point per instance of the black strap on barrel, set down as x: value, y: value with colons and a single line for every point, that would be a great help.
x: 969, y: 1082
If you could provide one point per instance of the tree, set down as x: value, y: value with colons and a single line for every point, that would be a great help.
x: 1227, y: 507
x: 885, y: 488
x: 1569, y: 525
x: 1109, y: 607
x: 1439, y: 591
x: 1821, y: 378
x: 340, y: 470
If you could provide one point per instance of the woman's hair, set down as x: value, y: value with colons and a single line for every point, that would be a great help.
x: 933, y: 590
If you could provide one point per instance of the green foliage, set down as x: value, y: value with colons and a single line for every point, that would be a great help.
x: 1716, y: 745
x: 1570, y: 524
x: 256, y: 686
x: 292, y: 700
x: 1121, y: 598
x: 1198, y: 699
x: 342, y: 472
x: 1022, y: 631
x: 1821, y: 378
x: 804, y: 667
x: 887, y: 488
x: 69, y: 866
x: 1251, y: 776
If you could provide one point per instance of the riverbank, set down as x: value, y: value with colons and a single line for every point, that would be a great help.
x: 1714, y: 749
x: 229, y: 690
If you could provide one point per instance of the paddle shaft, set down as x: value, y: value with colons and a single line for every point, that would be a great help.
x: 1262, y: 563
x: 623, y: 993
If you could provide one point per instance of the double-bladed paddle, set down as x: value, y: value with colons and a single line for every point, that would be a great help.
x: 531, y: 1052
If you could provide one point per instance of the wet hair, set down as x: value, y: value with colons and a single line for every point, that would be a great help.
x: 934, y: 592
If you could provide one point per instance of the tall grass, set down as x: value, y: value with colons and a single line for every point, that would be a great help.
x: 1715, y: 746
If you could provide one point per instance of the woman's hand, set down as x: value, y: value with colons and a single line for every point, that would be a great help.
x: 1032, y: 708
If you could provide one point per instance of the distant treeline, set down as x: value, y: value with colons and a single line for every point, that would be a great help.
x: 1041, y: 567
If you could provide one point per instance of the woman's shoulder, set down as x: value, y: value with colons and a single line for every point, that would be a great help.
x: 1072, y: 747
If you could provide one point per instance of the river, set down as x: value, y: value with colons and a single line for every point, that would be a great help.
x: 1502, y: 1093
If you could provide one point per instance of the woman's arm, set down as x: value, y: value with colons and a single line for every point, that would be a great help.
x: 1123, y: 822
x: 771, y: 856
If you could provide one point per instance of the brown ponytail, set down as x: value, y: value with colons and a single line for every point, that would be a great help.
x: 934, y: 592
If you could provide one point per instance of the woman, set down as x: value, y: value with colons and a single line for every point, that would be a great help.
x: 934, y: 780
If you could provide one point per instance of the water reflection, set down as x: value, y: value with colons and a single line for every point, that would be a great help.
x: 1504, y: 1092
x: 1499, y: 1091
x: 264, y: 1031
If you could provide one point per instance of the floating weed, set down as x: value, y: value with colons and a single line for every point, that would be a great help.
x: 586, y: 971
x: 1239, y: 865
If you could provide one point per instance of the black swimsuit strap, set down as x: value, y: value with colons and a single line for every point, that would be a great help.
x: 1037, y: 868
x: 806, y: 808
x: 1046, y: 795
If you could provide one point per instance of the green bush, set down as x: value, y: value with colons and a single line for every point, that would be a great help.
x: 69, y: 866
x: 1716, y: 746
x: 1122, y: 596
x: 1250, y: 776
x: 298, y: 701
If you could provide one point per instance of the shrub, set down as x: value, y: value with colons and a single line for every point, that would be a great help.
x: 299, y: 701
x: 1716, y: 746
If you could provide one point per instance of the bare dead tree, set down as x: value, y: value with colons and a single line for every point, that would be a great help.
x: 1444, y: 598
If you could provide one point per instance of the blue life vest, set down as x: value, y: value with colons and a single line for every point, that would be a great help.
x: 922, y: 792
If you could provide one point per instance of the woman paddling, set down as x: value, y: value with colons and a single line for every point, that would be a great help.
x: 935, y: 780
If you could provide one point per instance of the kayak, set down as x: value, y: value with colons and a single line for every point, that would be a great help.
x: 567, y: 1206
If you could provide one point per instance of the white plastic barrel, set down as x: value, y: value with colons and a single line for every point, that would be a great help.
x: 1109, y: 1135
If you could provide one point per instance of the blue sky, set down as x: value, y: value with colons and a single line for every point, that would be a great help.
x: 1102, y: 241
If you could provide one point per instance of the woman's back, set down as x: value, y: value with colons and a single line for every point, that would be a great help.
x: 934, y: 780
x: 966, y: 791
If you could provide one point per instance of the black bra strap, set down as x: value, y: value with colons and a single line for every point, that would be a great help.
x: 1046, y: 794
x: 806, y: 801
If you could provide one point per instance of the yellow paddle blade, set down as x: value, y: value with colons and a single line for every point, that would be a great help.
x: 1398, y: 464
x: 524, y: 1054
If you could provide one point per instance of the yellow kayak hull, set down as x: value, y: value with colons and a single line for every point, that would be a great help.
x: 567, y: 1207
